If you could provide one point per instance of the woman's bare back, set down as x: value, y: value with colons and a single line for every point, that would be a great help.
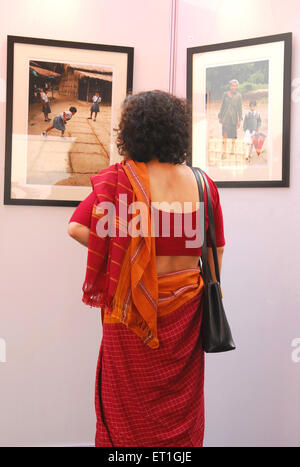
x: 173, y: 183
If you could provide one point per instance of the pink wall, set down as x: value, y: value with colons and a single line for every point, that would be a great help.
x: 252, y: 394
x: 52, y: 339
x: 47, y: 384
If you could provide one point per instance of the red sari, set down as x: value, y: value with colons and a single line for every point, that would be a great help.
x: 154, y: 397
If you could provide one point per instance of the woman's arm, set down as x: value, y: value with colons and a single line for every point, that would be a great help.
x: 221, y: 113
x: 240, y: 108
x: 79, y: 232
x: 219, y: 230
x: 79, y: 223
x: 210, y: 259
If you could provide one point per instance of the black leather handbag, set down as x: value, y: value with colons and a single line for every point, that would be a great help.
x: 215, y: 331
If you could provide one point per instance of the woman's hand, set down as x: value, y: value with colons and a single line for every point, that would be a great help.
x: 79, y: 232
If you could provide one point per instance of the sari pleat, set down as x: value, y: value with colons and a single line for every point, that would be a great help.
x: 154, y: 397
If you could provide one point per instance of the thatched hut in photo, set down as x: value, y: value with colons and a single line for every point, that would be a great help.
x: 40, y: 76
x: 82, y: 81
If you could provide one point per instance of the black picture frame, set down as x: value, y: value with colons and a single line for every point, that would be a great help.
x: 80, y: 46
x: 286, y: 38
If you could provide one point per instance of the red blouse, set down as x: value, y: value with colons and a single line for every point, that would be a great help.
x: 169, y: 245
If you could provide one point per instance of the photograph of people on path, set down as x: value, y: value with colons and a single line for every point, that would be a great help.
x: 237, y: 114
x: 69, y: 132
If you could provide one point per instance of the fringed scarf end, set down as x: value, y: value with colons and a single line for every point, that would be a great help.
x: 93, y: 298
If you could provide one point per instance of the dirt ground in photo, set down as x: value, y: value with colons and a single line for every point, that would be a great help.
x: 71, y: 160
x: 215, y: 128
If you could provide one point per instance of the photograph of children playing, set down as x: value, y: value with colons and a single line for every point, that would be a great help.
x: 69, y: 122
x: 237, y: 114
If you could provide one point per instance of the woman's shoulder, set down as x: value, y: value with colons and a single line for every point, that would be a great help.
x: 109, y: 174
x: 209, y: 179
x: 213, y: 188
x: 110, y: 169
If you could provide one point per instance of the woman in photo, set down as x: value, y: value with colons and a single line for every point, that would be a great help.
x: 150, y: 371
x: 231, y: 114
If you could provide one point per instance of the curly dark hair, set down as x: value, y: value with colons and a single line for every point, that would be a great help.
x: 154, y: 124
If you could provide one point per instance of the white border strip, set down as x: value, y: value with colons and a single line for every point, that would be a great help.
x: 172, y: 57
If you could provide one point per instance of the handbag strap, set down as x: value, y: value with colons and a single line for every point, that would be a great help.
x: 212, y: 230
x: 205, y: 266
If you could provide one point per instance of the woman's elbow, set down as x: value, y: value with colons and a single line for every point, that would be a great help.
x: 220, y: 251
x: 73, y: 229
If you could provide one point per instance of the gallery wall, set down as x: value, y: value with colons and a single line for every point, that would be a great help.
x: 52, y: 339
x: 252, y: 394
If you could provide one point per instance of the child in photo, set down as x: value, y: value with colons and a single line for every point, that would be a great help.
x: 252, y: 123
x: 45, y: 105
x: 95, y: 106
x: 60, y: 121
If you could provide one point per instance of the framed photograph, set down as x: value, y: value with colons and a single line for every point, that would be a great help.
x: 240, y: 94
x: 63, y: 109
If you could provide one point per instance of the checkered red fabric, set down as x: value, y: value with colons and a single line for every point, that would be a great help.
x: 152, y: 397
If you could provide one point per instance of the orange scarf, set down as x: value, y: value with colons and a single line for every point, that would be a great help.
x: 136, y: 298
x: 106, y: 253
